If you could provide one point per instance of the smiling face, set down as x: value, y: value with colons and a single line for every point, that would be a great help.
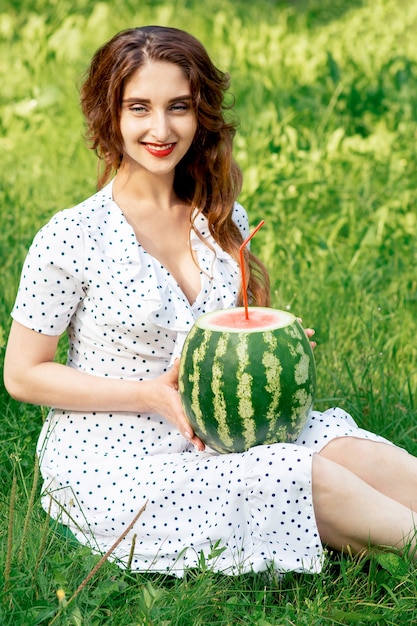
x: 157, y: 121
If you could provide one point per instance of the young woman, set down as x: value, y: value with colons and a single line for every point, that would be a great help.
x: 126, y: 273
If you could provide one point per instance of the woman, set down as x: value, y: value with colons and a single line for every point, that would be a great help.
x: 126, y: 273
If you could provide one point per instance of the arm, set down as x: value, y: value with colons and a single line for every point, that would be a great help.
x: 31, y: 375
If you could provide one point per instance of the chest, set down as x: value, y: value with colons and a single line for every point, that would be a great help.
x: 169, y: 245
x: 180, y: 261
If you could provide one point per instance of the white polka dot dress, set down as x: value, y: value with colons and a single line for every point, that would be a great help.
x: 127, y: 318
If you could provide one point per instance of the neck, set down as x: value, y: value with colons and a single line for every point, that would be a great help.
x: 150, y: 190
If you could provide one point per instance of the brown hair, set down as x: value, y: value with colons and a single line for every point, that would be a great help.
x: 207, y: 177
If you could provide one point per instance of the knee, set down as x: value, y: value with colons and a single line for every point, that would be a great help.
x: 321, y: 478
x: 321, y: 470
x: 334, y: 496
x: 330, y: 480
x: 348, y: 450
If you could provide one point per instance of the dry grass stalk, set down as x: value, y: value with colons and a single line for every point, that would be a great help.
x: 44, y: 536
x: 8, y: 564
x: 101, y: 561
x: 29, y: 511
x: 132, y: 551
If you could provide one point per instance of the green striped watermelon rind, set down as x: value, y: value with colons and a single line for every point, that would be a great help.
x: 235, y: 401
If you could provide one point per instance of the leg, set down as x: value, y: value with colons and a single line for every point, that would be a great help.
x: 388, y: 469
x: 350, y: 512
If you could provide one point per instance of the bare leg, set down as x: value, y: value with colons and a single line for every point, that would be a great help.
x: 350, y: 512
x: 388, y: 469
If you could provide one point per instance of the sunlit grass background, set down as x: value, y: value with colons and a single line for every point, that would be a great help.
x: 326, y: 94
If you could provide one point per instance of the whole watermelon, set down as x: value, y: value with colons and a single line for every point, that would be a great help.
x: 247, y: 381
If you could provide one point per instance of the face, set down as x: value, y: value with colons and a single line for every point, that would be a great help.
x: 158, y: 122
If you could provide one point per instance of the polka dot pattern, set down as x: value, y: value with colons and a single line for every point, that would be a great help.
x: 127, y: 318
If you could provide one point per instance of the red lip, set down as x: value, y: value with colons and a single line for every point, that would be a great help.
x: 159, y: 152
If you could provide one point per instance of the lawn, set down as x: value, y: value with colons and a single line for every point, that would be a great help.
x: 326, y: 95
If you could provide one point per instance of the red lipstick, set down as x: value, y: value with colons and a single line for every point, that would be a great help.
x: 159, y: 150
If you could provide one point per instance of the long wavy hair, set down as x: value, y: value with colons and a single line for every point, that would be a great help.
x: 207, y: 177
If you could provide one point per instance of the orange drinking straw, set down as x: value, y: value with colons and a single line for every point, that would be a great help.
x: 242, y: 268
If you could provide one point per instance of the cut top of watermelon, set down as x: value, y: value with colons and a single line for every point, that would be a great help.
x: 234, y: 320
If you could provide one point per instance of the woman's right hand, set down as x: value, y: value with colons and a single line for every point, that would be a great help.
x: 165, y: 400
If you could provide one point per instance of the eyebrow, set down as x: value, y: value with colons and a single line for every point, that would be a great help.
x: 147, y: 101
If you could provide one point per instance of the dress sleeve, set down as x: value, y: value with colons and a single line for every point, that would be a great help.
x: 51, y: 285
x: 240, y: 217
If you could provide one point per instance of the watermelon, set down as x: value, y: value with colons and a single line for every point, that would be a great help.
x: 247, y: 377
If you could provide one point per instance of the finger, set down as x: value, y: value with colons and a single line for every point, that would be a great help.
x: 197, y: 443
x: 192, y: 438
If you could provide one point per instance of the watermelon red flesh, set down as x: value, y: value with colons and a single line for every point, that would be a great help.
x: 246, y: 387
x: 258, y: 319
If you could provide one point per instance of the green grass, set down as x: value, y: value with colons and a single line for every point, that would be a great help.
x: 326, y: 93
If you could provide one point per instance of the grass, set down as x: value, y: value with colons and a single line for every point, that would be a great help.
x: 326, y: 93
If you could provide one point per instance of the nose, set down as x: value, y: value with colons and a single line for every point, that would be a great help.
x: 160, y: 128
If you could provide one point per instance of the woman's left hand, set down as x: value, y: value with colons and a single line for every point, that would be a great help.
x: 310, y: 332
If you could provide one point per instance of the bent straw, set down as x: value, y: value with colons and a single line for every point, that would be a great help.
x: 242, y: 268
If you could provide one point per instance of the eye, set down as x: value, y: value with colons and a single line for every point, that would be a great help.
x: 138, y: 108
x: 180, y: 107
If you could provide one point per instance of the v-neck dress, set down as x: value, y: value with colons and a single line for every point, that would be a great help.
x: 127, y: 318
